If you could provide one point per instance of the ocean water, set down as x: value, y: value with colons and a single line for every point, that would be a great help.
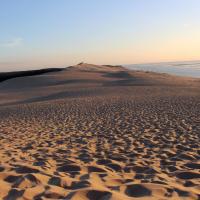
x: 189, y: 68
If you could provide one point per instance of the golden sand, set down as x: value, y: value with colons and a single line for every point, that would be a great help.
x: 100, y: 133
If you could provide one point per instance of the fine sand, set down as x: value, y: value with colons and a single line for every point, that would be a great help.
x: 100, y: 133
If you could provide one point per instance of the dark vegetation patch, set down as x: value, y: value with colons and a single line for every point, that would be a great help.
x: 10, y: 75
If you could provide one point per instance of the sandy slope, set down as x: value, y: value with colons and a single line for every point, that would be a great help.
x: 98, y: 133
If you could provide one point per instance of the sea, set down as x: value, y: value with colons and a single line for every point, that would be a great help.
x: 186, y: 68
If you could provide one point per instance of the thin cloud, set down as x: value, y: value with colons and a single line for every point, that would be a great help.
x: 12, y: 43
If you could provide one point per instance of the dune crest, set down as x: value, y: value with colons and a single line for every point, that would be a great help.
x: 91, y: 67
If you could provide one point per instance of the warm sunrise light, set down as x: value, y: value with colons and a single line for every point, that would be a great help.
x: 100, y: 99
x: 113, y: 32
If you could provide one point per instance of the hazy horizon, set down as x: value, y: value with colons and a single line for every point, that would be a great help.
x: 41, y: 34
x: 189, y: 62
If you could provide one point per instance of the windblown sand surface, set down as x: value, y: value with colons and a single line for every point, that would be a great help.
x: 100, y: 133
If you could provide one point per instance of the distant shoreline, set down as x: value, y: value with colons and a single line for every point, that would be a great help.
x: 186, y: 69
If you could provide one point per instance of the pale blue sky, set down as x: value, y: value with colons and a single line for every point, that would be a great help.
x: 48, y: 33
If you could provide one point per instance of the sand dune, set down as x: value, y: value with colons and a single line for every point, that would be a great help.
x: 100, y: 133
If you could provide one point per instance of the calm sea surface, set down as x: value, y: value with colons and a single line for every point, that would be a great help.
x: 191, y: 69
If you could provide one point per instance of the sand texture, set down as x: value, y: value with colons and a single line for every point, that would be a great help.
x: 100, y: 133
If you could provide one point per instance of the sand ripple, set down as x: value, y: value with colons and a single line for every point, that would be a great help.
x: 141, y: 143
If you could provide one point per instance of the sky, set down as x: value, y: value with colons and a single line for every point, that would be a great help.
x: 58, y: 33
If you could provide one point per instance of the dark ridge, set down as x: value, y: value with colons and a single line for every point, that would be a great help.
x: 113, y: 66
x: 81, y: 63
x: 9, y: 75
x: 120, y: 74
